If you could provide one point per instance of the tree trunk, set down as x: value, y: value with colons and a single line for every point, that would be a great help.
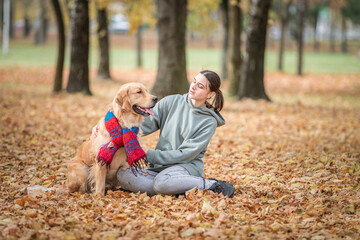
x: 332, y: 31
x: 1, y: 19
x: 284, y: 16
x: 234, y: 63
x: 209, y: 40
x: 6, y: 30
x: 61, y: 46
x: 171, y: 76
x: 27, y: 27
x: 343, y: 35
x: 316, y: 41
x: 45, y: 26
x: 139, y: 47
x: 301, y: 14
x: 252, y: 81
x: 79, y: 66
x: 68, y: 4
x: 12, y: 16
x: 11, y: 21
x: 39, y: 23
x: 103, y: 38
x: 224, y: 12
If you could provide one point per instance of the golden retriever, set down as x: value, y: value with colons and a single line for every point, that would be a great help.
x: 131, y: 103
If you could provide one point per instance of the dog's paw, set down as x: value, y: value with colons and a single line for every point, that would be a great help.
x: 99, y: 194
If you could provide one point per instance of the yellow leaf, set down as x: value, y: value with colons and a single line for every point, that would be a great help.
x: 147, y: 222
x: 188, y: 232
x: 30, y: 213
x: 222, y: 204
x: 319, y: 166
x: 208, y: 209
x: 190, y: 194
x: 121, y: 216
x: 246, y: 179
x: 216, y: 233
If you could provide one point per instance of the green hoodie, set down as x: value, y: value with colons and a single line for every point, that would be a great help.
x: 185, y: 132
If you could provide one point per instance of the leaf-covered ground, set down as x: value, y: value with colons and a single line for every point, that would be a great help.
x: 295, y: 163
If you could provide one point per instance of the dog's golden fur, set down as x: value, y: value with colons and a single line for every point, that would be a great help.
x: 83, y: 170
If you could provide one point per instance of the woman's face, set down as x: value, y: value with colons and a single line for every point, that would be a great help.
x: 199, y: 89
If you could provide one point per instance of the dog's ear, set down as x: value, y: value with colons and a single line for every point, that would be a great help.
x: 118, y: 99
x: 122, y: 98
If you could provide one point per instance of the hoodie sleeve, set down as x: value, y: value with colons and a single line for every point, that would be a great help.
x: 187, y: 151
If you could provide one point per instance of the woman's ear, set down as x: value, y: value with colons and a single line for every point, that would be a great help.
x: 211, y: 94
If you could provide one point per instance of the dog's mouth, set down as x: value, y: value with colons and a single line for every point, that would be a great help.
x: 143, y: 111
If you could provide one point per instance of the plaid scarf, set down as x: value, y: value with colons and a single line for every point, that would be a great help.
x: 121, y: 137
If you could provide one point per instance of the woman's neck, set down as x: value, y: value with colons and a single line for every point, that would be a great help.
x: 196, y: 103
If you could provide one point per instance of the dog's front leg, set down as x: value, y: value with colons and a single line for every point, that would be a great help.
x: 99, y: 177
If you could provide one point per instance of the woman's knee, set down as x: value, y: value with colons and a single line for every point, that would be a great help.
x: 171, y: 180
x: 161, y: 184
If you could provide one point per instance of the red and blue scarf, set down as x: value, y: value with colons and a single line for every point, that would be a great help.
x: 121, y: 137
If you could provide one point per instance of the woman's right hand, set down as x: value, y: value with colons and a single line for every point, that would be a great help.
x: 94, y: 131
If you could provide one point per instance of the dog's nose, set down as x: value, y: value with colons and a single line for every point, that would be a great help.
x: 154, y: 99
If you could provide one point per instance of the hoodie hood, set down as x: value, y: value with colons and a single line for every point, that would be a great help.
x: 206, y: 111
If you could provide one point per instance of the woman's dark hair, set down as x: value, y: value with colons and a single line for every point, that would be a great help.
x: 214, y: 85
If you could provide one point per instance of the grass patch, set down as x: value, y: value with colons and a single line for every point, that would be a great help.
x: 315, y: 62
x: 27, y: 54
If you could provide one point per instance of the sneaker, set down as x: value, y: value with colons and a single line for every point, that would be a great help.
x: 227, y: 189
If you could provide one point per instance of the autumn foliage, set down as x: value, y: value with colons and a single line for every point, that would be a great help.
x: 294, y: 162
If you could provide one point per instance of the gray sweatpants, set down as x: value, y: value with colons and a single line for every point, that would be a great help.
x: 172, y: 180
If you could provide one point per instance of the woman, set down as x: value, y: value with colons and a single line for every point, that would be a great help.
x: 186, y: 123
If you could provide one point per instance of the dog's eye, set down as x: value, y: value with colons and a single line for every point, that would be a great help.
x: 139, y: 92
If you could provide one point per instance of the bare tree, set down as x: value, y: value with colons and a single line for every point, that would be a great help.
x: 1, y: 18
x: 332, y: 30
x: 301, y: 14
x: 139, y: 13
x: 252, y: 80
x: 343, y: 35
x: 234, y: 63
x: 313, y: 13
x: 139, y: 47
x: 171, y: 76
x: 11, y: 20
x: 61, y: 46
x: 27, y: 26
x: 224, y: 12
x: 40, y: 23
x: 283, y: 13
x: 79, y: 66
x: 103, y: 38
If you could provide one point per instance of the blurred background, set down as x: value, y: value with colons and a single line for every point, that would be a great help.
x: 302, y: 36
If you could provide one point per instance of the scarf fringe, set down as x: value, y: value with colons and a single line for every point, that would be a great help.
x: 138, y: 165
x: 103, y: 162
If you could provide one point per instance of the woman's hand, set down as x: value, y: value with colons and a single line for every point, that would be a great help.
x: 94, y: 131
x: 144, y: 148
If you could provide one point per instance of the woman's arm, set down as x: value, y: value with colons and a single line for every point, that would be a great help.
x: 187, y: 151
x: 153, y: 123
x: 150, y: 124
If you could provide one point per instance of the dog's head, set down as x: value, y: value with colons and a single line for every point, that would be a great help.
x: 134, y: 98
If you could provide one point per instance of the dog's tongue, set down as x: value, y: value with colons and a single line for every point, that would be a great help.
x: 147, y: 110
